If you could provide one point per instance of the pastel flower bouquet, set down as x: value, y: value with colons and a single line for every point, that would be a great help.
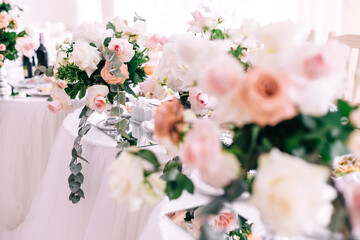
x: 287, y: 123
x: 101, y: 64
x: 9, y: 14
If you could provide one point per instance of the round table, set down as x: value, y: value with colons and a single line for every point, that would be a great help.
x: 27, y: 131
x: 98, y: 216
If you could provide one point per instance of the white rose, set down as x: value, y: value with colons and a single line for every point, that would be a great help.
x: 85, y: 57
x: 171, y: 68
x: 92, y: 33
x: 30, y: 31
x: 120, y: 24
x: 292, y: 195
x: 126, y: 180
x: 152, y: 189
x: 138, y: 28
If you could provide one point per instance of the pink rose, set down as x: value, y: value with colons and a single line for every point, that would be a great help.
x: 264, y: 95
x: 2, y: 57
x: 156, y: 42
x: 25, y: 46
x: 220, y: 169
x: 221, y: 76
x: 199, y: 101
x: 61, y: 84
x: 123, y: 48
x: 315, y: 66
x: 2, y: 47
x: 201, y: 144
x: 224, y: 221
x: 178, y: 216
x: 4, y: 20
x: 95, y: 98
x: 201, y: 23
x: 202, y: 150
x: 60, y: 98
x: 55, y: 106
x: 111, y: 79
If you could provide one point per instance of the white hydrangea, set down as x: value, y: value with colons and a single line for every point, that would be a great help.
x: 92, y: 33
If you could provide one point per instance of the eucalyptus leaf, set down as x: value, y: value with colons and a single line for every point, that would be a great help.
x: 121, y: 98
x: 80, y: 193
x: 74, y: 186
x: 113, y: 88
x: 75, y: 199
x: 214, y: 207
x: 75, y: 168
x: 111, y: 26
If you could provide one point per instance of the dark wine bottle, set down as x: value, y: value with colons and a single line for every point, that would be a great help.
x: 41, y: 53
x: 27, y: 64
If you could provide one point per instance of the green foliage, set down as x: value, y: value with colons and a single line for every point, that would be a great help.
x: 242, y: 232
x: 238, y: 53
x: 216, y: 34
x: 76, y: 178
x: 8, y: 38
x: 176, y: 182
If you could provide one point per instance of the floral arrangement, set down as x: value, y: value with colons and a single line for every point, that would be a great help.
x: 9, y: 38
x: 226, y: 224
x: 285, y: 117
x: 101, y: 64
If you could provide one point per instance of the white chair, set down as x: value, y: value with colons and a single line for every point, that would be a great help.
x: 353, y: 41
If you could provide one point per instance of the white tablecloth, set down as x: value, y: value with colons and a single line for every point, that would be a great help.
x: 98, y: 216
x: 27, y: 131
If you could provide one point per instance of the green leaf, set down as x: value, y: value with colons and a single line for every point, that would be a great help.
x: 80, y: 193
x: 79, y: 177
x: 129, y: 90
x: 111, y: 26
x: 74, y: 186
x: 75, y: 199
x: 172, y: 165
x: 75, y: 168
x: 116, y: 111
x: 173, y: 190
x: 171, y: 175
x: 83, y: 111
x: 149, y: 156
x: 107, y: 41
x: 121, y: 98
x: 93, y: 45
x: 82, y: 92
x: 42, y: 69
x: 22, y: 34
x: 188, y: 184
x: 37, y: 72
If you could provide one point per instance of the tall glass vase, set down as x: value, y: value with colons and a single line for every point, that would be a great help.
x: 107, y: 125
x: 5, y: 88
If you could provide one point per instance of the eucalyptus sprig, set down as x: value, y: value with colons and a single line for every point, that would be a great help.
x: 76, y: 178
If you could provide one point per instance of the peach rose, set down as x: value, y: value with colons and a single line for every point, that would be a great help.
x: 2, y: 57
x: 221, y: 76
x: 111, y: 79
x: 123, y: 48
x: 178, y: 216
x: 95, y: 98
x: 224, y: 221
x: 149, y: 69
x: 55, y: 106
x: 2, y: 47
x: 4, y: 20
x: 264, y: 94
x: 168, y: 118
